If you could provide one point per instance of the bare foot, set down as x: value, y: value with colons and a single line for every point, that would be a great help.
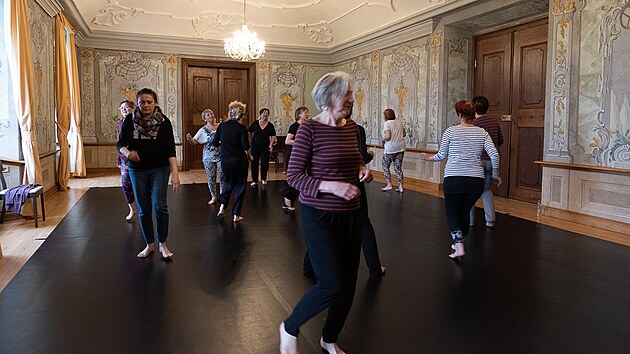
x: 146, y: 252
x: 237, y: 218
x: 221, y: 211
x: 288, y: 343
x: 213, y: 200
x: 331, y: 348
x: 131, y: 213
x: 164, y: 251
x: 458, y: 250
x: 387, y: 188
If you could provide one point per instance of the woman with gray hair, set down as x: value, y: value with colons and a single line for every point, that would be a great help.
x: 211, y: 159
x: 326, y: 167
x: 234, y: 142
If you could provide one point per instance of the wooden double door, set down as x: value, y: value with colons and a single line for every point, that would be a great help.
x: 213, y: 85
x: 510, y: 70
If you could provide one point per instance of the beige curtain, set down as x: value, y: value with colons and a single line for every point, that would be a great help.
x: 63, y: 101
x: 77, y: 161
x: 18, y: 41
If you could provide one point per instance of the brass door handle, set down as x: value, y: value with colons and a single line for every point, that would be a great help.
x: 506, y: 118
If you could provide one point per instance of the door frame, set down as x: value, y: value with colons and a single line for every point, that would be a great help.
x: 192, y: 62
x: 486, y: 35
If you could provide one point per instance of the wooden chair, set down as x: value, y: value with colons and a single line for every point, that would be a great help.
x: 32, y: 194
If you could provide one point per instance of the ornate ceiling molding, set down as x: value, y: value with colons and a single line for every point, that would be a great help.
x: 319, y: 33
x: 114, y: 14
x: 52, y: 7
x: 215, y: 25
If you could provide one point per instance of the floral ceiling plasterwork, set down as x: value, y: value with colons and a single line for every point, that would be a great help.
x: 214, y: 24
x: 114, y: 14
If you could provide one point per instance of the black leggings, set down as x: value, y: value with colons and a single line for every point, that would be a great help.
x: 460, y: 194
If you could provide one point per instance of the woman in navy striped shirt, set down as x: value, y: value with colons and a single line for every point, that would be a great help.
x: 463, y: 144
x: 326, y: 167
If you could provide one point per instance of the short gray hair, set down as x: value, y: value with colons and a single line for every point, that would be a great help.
x: 328, y: 87
x: 236, y: 109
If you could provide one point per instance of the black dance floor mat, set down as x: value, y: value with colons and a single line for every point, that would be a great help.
x: 521, y: 288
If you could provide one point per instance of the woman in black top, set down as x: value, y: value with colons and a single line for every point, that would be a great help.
x: 263, y: 139
x: 232, y: 137
x: 146, y: 139
x: 289, y: 193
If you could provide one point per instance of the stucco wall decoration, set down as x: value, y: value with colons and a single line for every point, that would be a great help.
x: 360, y: 71
x: 114, y: 14
x: 41, y: 30
x: 458, y: 59
x: 263, y: 70
x: 564, y: 21
x: 88, y: 105
x: 435, y: 59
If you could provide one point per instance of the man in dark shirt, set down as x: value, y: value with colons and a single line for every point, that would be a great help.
x: 490, y: 125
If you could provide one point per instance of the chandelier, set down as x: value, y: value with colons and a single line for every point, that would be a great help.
x: 244, y: 45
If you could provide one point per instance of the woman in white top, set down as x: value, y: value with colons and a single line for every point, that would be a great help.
x: 394, y: 148
x: 211, y: 159
x: 463, y: 174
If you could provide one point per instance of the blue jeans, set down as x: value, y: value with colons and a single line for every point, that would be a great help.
x: 150, y: 187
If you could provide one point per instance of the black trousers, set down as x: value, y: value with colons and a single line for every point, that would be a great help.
x: 261, y: 155
x: 368, y: 236
x: 368, y: 241
x: 290, y: 193
x: 235, y: 171
x: 460, y: 194
x: 333, y: 242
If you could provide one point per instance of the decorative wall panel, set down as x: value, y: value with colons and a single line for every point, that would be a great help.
x: 121, y: 74
x: 604, y: 116
x: 41, y: 28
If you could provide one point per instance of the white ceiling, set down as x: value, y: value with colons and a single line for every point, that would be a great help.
x: 312, y: 25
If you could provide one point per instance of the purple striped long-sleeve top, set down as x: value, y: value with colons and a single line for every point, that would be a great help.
x: 324, y: 153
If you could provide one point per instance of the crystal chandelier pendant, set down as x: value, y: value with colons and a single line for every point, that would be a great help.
x: 244, y: 45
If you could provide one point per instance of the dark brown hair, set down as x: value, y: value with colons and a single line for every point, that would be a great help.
x: 466, y: 109
x: 147, y: 91
x: 389, y: 114
x: 262, y: 110
x: 299, y: 111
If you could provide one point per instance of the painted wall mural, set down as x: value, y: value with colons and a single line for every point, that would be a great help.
x: 458, y: 60
x: 603, y: 128
x: 41, y: 27
x: 399, y: 78
x: 121, y: 74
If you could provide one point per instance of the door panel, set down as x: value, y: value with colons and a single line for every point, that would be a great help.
x: 233, y: 83
x: 202, y: 91
x: 528, y: 174
x: 528, y: 112
x: 493, y: 75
